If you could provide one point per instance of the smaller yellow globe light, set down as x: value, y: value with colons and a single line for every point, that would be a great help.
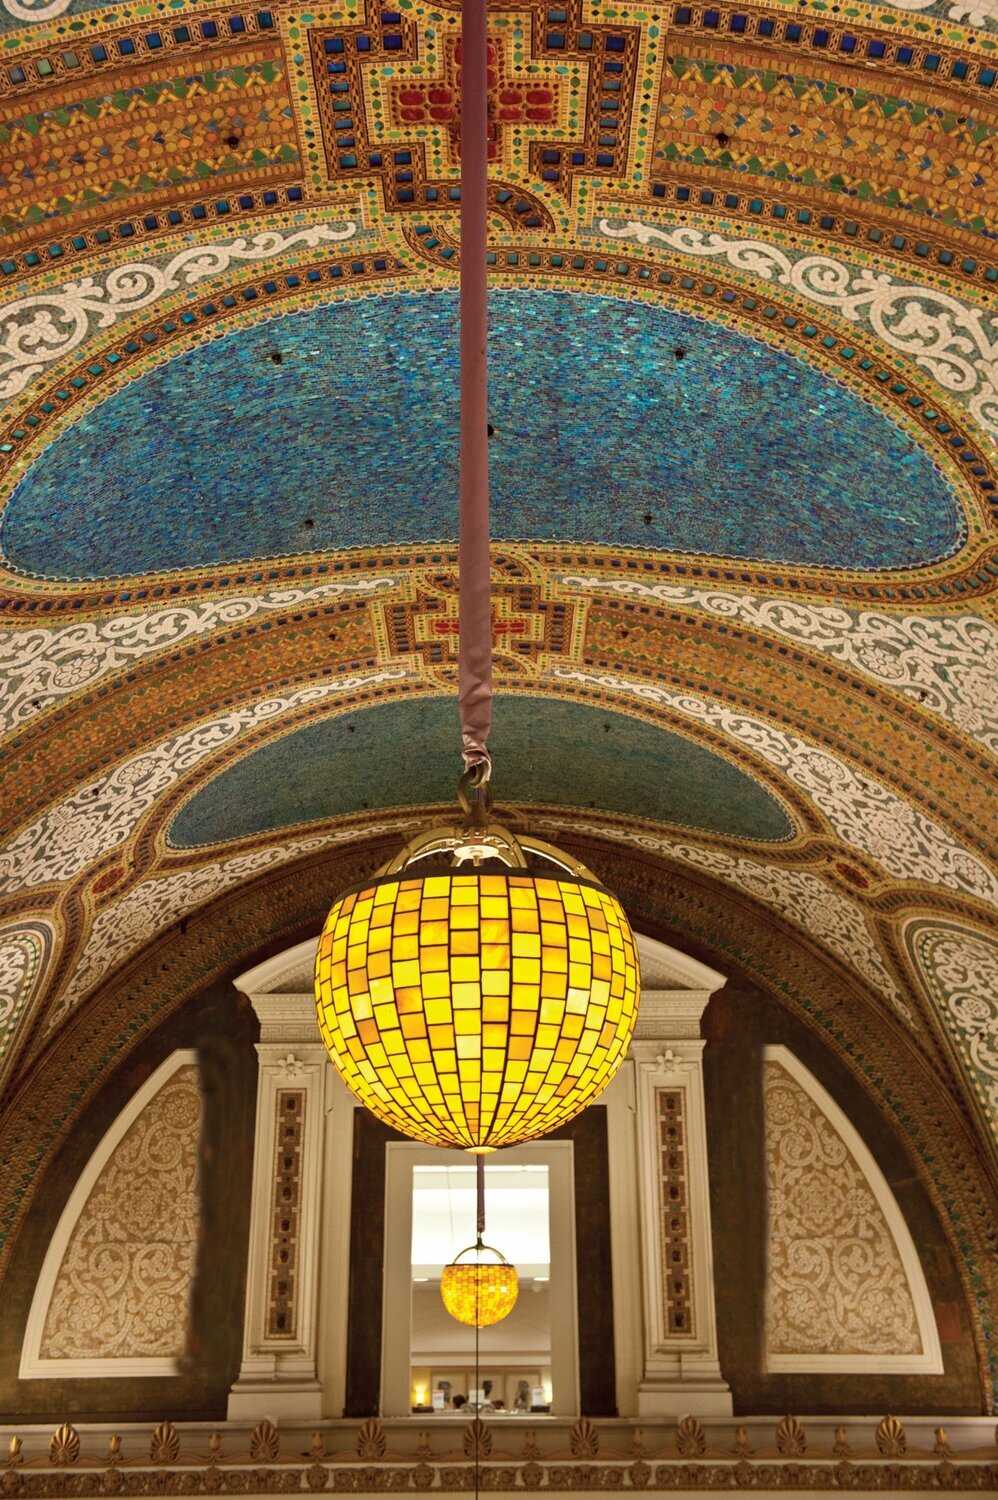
x: 479, y: 1293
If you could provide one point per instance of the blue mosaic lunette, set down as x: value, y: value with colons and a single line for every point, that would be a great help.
x: 616, y: 422
x: 546, y: 751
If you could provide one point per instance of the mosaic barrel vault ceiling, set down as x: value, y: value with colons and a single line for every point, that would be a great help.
x: 745, y: 398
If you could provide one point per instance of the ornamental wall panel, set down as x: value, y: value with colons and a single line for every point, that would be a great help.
x: 845, y: 1288
x: 114, y: 1293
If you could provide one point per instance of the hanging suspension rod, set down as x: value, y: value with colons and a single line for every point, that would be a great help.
x: 474, y: 578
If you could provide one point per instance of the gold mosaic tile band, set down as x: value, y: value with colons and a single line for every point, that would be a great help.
x: 477, y: 1010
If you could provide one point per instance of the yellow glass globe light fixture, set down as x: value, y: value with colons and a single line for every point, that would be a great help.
x: 480, y: 990
x: 479, y: 1292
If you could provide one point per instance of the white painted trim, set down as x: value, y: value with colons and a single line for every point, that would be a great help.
x: 682, y: 1373
x: 625, y: 1236
x: 930, y: 1361
x: 270, y: 977
x: 33, y: 1366
x: 334, y: 1269
x: 396, y: 1323
x: 278, y: 1375
x: 685, y: 973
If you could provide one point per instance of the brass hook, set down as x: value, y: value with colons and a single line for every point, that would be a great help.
x: 474, y: 793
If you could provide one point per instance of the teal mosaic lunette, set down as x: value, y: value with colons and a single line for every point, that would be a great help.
x: 547, y: 751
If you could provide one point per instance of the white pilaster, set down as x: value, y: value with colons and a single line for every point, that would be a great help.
x: 279, y: 1377
x: 682, y: 1373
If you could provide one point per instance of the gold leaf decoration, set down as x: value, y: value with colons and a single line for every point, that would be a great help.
x: 114, y: 1449
x: 942, y: 1448
x: 891, y: 1440
x: 691, y: 1440
x: 65, y: 1445
x: 477, y: 1440
x: 265, y: 1445
x: 841, y: 1448
x: 15, y: 1451
x: 791, y: 1439
x: 371, y: 1440
x: 741, y: 1448
x: 531, y: 1448
x: 583, y: 1439
x: 424, y: 1448
x: 215, y: 1447
x: 318, y: 1448
x: 164, y: 1446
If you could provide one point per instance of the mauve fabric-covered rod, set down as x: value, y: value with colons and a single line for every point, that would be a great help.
x: 475, y: 602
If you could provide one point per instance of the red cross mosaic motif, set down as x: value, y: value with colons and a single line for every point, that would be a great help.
x: 438, y: 101
x: 346, y: 61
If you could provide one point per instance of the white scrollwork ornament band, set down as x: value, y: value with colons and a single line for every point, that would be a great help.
x: 805, y: 899
x: 36, y: 331
x: 864, y: 813
x: 41, y: 665
x: 959, y: 968
x: 955, y: 343
x: 47, y: 10
x: 947, y: 663
x: 130, y: 922
x: 100, y: 816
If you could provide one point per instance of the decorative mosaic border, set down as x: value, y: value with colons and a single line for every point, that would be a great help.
x: 674, y: 1248
x: 954, y: 342
x: 844, y: 361
x: 289, y: 1134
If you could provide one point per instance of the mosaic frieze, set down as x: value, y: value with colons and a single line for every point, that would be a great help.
x: 802, y: 897
x: 835, y: 138
x: 123, y: 1288
x: 836, y: 1284
x: 953, y: 340
x: 147, y: 909
x: 100, y: 816
x: 865, y: 814
x: 40, y: 667
x: 43, y: 327
x: 25, y: 951
x: 15, y: 14
x: 942, y: 662
x: 958, y: 966
x: 159, y: 133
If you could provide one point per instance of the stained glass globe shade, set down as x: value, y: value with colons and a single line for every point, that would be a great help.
x: 479, y: 991
x: 479, y: 1293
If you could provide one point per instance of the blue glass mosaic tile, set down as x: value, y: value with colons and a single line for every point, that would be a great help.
x: 603, y: 434
x: 545, y: 751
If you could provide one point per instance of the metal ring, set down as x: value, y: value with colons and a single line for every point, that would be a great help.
x: 491, y: 1248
